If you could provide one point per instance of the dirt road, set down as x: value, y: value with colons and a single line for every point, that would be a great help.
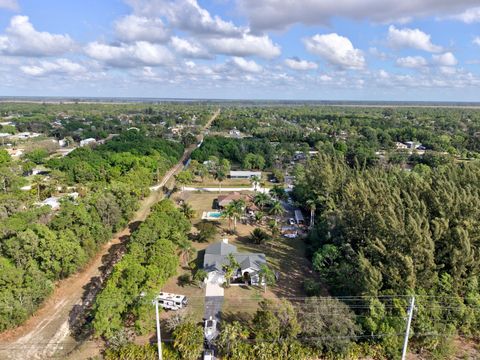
x: 48, y: 333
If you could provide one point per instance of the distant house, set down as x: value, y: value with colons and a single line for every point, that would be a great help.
x: 299, y: 155
x: 25, y: 135
x: 235, y: 133
x: 412, y: 145
x: 89, y: 141
x: 244, y: 174
x: 400, y: 146
x: 53, y: 202
x: 224, y: 200
x: 216, y: 257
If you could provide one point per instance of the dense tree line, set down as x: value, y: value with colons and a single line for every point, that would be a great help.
x: 130, y: 155
x: 150, y: 260
x: 452, y: 130
x: 80, y: 121
x: 237, y: 151
x: 38, y: 247
x: 382, y: 232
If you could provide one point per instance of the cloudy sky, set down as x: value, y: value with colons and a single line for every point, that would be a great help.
x: 262, y: 49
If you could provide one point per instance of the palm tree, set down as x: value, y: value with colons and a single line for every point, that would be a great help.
x: 228, y: 213
x: 186, y: 251
x: 312, y: 206
x: 255, y: 181
x: 258, y: 236
x: 278, y: 192
x: 220, y: 175
x: 200, y: 277
x: 238, y: 207
x: 230, y: 268
x: 187, y: 210
x: 275, y: 231
x: 267, y: 276
x: 261, y: 200
x: 276, y: 209
x: 37, y: 183
x: 259, y: 215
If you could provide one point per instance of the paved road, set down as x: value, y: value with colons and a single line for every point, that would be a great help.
x: 213, y: 307
x: 48, y: 332
x: 228, y: 189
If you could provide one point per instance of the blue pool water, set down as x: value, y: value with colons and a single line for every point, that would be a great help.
x: 214, y: 214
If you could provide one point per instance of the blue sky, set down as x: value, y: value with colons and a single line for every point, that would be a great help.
x: 261, y: 49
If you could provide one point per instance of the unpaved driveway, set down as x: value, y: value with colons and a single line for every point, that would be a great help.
x: 48, y: 332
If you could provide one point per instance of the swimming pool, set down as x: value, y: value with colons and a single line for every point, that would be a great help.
x: 210, y: 215
x: 214, y: 214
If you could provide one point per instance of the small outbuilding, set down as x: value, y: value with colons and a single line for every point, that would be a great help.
x: 244, y: 174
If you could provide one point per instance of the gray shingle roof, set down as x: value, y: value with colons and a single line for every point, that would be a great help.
x: 216, y: 256
x: 220, y: 248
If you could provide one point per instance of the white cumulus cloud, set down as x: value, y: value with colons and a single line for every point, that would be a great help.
x: 411, y: 38
x: 298, y: 64
x: 138, y: 28
x: 279, y: 14
x: 189, y: 49
x: 141, y: 53
x: 186, y: 15
x: 246, y: 65
x: 59, y: 66
x: 476, y: 40
x: 447, y: 59
x: 247, y: 45
x: 22, y: 39
x: 335, y: 49
x: 469, y: 16
x: 412, y: 62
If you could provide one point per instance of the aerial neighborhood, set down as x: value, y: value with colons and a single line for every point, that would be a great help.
x: 240, y: 180
x: 190, y: 228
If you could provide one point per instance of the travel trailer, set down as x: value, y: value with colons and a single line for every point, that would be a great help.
x: 172, y: 301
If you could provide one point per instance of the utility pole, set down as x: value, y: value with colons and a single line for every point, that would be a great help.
x: 159, y: 336
x: 407, y: 331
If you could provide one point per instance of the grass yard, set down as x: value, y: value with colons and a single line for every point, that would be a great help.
x: 285, y: 256
x: 209, y: 182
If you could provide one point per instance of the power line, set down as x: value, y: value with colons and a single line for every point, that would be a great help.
x: 300, y: 338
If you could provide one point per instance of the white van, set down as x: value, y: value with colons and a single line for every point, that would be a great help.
x: 172, y: 301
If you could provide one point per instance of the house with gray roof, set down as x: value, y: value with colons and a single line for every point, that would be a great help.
x: 217, y: 256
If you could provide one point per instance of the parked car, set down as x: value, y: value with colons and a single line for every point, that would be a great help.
x: 209, y: 355
x: 292, y: 221
x: 210, y: 329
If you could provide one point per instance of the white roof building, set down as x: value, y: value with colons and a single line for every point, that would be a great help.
x: 245, y: 174
x: 88, y: 141
x: 53, y: 202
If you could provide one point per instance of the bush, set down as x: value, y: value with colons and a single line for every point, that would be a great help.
x: 259, y: 236
x: 184, y: 279
x: 207, y: 231
x: 311, y: 287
